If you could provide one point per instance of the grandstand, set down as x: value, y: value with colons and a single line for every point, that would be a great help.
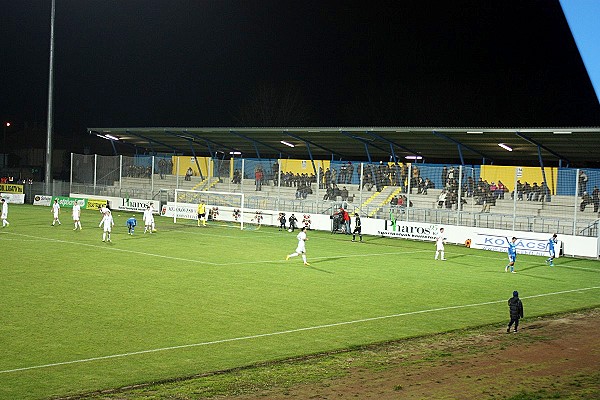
x: 559, y: 212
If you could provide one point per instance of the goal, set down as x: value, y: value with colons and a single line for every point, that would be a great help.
x: 220, y: 206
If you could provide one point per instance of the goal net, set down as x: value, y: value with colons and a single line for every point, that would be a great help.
x: 219, y: 206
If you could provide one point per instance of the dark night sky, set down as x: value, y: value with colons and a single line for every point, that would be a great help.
x: 348, y: 63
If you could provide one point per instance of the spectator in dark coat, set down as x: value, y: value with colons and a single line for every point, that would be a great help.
x: 516, y: 311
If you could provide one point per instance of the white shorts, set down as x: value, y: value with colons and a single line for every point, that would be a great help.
x: 301, y: 249
x: 440, y: 246
x: 55, y: 215
x: 107, y: 229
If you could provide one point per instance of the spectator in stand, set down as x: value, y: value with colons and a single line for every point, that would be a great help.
x: 258, y: 178
x: 394, y: 201
x: 519, y: 191
x: 188, y: 174
x: 344, y: 193
x: 583, y: 179
x: 585, y: 200
x: 444, y: 176
x: 596, y: 198
x: 442, y: 198
x: 470, y: 186
x: 500, y: 190
x: 349, y: 173
x: 494, y: 189
x: 237, y: 177
x: 544, y: 192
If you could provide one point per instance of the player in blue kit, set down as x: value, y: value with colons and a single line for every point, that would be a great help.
x: 512, y: 255
x: 131, y: 223
x: 551, y: 252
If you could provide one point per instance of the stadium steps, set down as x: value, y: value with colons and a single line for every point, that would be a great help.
x: 372, y: 198
x: 386, y: 200
x: 200, y: 185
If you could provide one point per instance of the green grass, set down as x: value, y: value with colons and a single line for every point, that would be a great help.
x: 79, y: 315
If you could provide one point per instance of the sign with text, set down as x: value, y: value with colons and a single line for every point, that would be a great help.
x: 409, y: 230
x: 14, y: 198
x: 534, y: 247
x: 42, y: 200
x: 138, y: 205
x: 95, y: 204
x: 11, y: 188
x: 67, y: 202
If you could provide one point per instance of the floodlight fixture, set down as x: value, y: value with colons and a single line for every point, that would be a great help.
x: 505, y: 147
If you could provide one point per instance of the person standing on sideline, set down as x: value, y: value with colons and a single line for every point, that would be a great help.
x: 76, y: 215
x: 516, y: 311
x: 55, y: 212
x: 439, y: 243
x: 4, y: 213
x: 131, y: 223
x: 512, y: 255
x: 202, y: 213
x: 108, y: 223
x: 357, y: 228
x: 301, y: 249
x: 551, y: 251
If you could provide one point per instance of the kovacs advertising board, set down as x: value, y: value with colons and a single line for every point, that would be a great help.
x: 534, y: 247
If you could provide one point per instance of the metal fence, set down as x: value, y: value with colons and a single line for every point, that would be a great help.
x: 551, y: 200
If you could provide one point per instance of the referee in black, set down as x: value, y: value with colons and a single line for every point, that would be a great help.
x: 357, y: 228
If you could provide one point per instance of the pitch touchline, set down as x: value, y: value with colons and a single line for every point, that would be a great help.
x: 261, y: 335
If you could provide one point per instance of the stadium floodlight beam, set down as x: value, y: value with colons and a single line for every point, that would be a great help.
x: 235, y: 153
x: 111, y: 137
x: 562, y: 133
x: 287, y: 143
x: 475, y: 132
x: 413, y: 157
x: 505, y: 147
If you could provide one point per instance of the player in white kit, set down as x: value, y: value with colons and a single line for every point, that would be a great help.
x: 55, y: 212
x: 439, y: 242
x: 107, y: 223
x: 301, y: 249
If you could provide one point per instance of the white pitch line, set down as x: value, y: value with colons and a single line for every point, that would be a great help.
x: 116, y: 249
x: 199, y: 261
x: 261, y: 335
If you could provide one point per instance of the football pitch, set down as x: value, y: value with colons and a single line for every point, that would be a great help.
x: 79, y: 315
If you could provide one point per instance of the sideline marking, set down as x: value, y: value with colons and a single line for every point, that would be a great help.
x: 261, y: 335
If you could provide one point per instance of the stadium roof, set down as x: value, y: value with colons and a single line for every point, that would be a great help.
x: 574, y: 146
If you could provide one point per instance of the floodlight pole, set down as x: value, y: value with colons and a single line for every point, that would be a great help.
x: 48, y: 172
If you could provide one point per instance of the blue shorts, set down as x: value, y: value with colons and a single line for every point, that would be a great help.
x: 552, y: 253
x: 512, y: 257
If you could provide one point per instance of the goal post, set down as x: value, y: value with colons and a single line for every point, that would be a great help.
x: 220, y: 206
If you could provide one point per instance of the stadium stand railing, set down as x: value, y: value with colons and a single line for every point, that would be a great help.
x: 552, y: 200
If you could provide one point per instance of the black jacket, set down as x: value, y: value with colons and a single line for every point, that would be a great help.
x: 516, y: 307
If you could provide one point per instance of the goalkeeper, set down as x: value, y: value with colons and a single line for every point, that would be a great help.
x: 202, y: 213
x: 131, y: 223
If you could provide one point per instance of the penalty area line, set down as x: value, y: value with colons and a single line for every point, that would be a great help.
x: 304, y: 329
